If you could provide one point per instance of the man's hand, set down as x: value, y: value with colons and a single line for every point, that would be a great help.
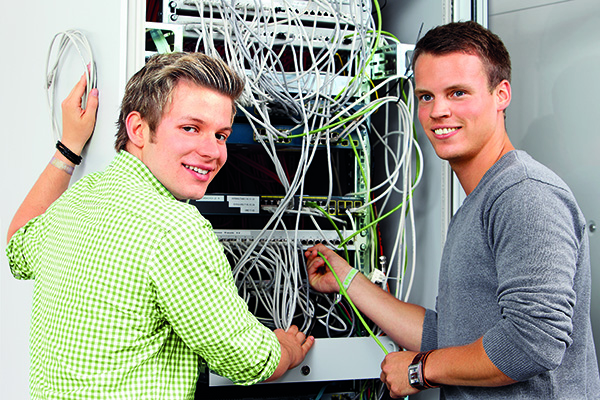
x: 394, y: 373
x: 319, y: 274
x: 78, y: 123
x: 294, y: 347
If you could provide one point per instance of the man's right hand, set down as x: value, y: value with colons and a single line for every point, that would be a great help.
x: 294, y: 347
x: 319, y: 274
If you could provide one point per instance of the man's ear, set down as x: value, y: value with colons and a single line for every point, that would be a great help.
x: 137, y: 129
x: 503, y: 95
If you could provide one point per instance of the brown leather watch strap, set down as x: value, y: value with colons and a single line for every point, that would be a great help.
x: 416, y: 372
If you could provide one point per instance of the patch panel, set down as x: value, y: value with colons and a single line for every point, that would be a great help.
x: 348, y: 203
x: 216, y: 203
x: 307, y: 13
x: 320, y: 37
x: 306, y: 238
x: 291, y: 138
x: 290, y: 135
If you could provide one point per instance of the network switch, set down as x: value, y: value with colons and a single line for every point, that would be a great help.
x: 219, y: 204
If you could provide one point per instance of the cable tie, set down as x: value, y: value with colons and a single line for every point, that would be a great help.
x: 376, y: 276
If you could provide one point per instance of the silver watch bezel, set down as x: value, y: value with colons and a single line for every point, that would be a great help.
x: 415, y: 375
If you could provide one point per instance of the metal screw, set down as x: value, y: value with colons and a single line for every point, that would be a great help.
x: 592, y: 226
x: 305, y: 370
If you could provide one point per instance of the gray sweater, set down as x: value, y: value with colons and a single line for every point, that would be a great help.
x: 516, y: 270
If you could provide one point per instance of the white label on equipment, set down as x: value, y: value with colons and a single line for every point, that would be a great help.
x: 212, y: 198
x: 246, y: 204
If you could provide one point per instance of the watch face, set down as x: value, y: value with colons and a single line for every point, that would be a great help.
x: 413, y: 374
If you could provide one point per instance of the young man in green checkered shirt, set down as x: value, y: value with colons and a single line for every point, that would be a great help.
x: 131, y: 283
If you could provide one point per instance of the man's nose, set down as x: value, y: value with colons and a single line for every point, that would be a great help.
x: 209, y: 146
x: 440, y: 109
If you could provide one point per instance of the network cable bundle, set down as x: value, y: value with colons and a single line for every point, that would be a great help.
x: 301, y: 162
x: 61, y: 43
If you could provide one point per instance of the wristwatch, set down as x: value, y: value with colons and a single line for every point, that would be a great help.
x: 416, y: 375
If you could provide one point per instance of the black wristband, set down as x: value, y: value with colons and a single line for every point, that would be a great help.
x: 69, y: 155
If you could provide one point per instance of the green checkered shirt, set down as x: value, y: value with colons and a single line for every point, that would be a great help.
x: 131, y: 287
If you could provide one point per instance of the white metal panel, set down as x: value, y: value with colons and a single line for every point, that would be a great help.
x: 333, y: 359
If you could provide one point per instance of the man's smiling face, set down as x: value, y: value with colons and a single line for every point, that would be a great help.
x: 457, y: 109
x: 189, y: 145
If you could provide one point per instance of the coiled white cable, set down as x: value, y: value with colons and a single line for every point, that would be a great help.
x: 60, y: 43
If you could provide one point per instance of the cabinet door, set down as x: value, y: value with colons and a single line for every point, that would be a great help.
x: 554, y: 51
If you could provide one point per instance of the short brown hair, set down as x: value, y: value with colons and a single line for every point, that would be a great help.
x: 469, y: 38
x: 151, y: 88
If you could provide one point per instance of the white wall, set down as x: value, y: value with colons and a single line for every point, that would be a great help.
x: 27, y: 140
x: 555, y: 52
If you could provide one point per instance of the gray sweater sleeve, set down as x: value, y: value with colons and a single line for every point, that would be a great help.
x: 429, y: 337
x: 534, y: 231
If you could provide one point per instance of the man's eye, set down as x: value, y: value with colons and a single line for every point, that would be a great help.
x: 221, y: 136
x: 189, y: 129
x: 459, y: 93
x: 425, y: 97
